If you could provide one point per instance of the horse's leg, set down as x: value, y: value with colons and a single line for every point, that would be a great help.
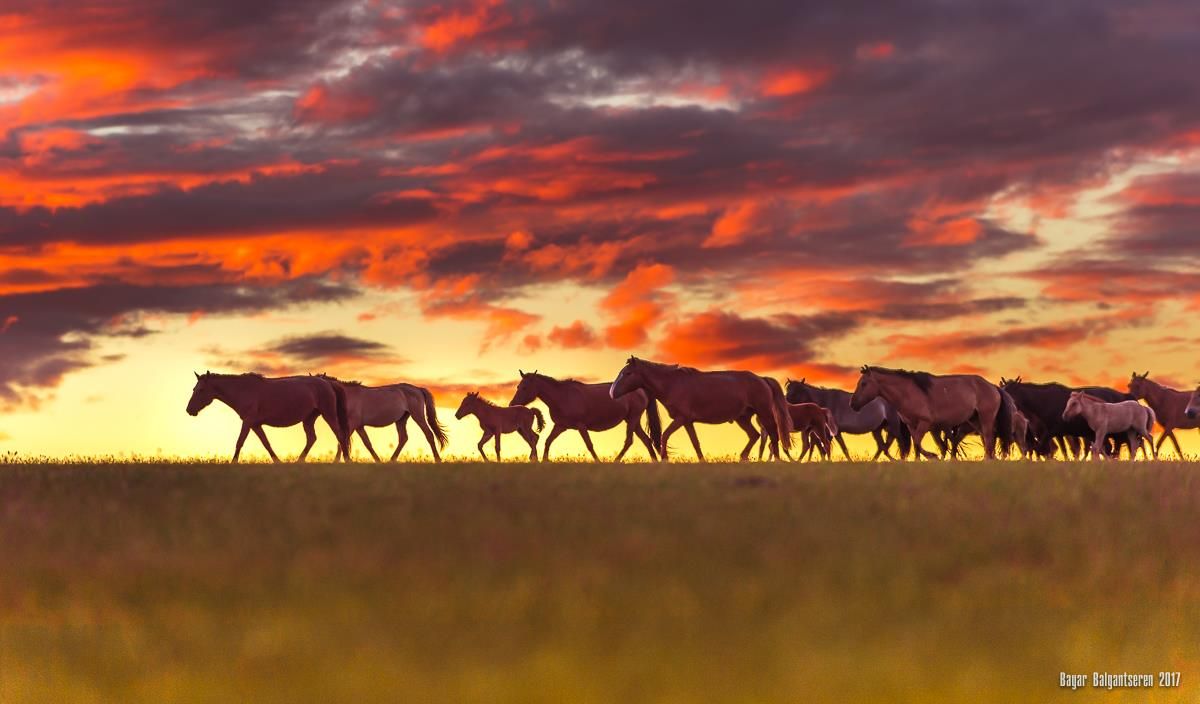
x: 918, y: 434
x: 487, y: 435
x: 554, y: 432
x: 237, y: 449
x: 362, y: 433
x: 531, y: 438
x: 842, y: 444
x: 1175, y: 442
x: 401, y: 436
x: 628, y: 441
x: 671, y: 428
x: 641, y: 434
x: 752, y: 433
x: 587, y: 441
x: 1132, y: 436
x: 423, y: 424
x: 762, y: 444
x: 498, y: 446
x: 691, y: 431
x: 262, y: 436
x: 310, y: 436
x: 879, y: 444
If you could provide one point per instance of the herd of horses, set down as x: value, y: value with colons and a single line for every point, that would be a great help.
x: 895, y: 406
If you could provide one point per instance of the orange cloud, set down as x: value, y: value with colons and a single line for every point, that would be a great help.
x: 637, y: 303
x: 790, y: 82
x: 576, y: 335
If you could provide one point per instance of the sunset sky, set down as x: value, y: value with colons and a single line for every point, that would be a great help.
x: 445, y: 192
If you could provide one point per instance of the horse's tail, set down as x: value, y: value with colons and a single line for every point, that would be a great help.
x: 830, y: 422
x: 903, y: 437
x: 1004, y: 422
x: 537, y: 417
x: 1151, y: 419
x: 343, y: 415
x: 653, y: 421
x: 439, y: 431
x: 779, y: 409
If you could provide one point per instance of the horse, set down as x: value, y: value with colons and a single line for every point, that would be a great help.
x: 1170, y: 407
x: 1021, y: 435
x: 874, y: 418
x: 1043, y: 405
x: 279, y: 403
x: 692, y: 396
x: 381, y: 406
x: 582, y: 407
x: 497, y: 420
x: 1129, y: 417
x: 960, y: 398
x: 817, y: 427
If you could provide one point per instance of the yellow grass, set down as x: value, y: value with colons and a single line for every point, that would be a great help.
x: 576, y: 583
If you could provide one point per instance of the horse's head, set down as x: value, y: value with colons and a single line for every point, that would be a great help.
x: 202, y: 394
x: 1138, y: 384
x: 1074, y: 405
x: 866, y: 391
x: 630, y: 378
x: 468, y: 404
x: 798, y: 392
x: 1193, y: 407
x: 526, y: 390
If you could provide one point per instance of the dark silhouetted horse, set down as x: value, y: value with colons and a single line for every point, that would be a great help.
x: 929, y: 402
x: 279, y: 403
x: 692, y: 396
x: 876, y: 417
x: 582, y: 407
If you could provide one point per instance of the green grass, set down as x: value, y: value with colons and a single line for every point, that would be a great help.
x: 575, y: 583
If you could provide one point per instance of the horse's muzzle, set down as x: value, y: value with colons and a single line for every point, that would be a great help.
x: 193, y: 412
x: 1190, y: 413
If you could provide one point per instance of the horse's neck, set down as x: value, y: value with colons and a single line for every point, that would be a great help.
x: 1159, y: 395
x: 892, y: 391
x: 235, y: 395
x: 551, y: 391
x: 660, y: 383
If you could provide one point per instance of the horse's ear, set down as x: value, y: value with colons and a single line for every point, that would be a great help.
x: 864, y: 369
x: 803, y: 380
x: 522, y: 373
x: 197, y: 375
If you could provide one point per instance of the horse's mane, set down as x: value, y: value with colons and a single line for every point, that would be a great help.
x: 923, y: 380
x: 252, y: 375
x: 483, y: 400
x: 664, y: 366
x: 547, y: 377
x: 345, y: 382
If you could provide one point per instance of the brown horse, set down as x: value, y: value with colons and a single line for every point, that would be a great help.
x: 817, y: 426
x: 692, y: 396
x: 381, y: 406
x: 582, y: 407
x: 497, y: 420
x: 940, y: 403
x: 279, y: 403
x: 1170, y: 407
x: 1129, y: 417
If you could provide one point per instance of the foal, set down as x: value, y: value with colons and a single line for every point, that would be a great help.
x: 497, y: 420
x: 816, y: 425
x: 1129, y: 417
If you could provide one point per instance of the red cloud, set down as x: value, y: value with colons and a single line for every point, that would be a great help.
x: 577, y: 334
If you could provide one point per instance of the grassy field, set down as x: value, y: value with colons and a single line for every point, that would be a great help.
x: 576, y: 583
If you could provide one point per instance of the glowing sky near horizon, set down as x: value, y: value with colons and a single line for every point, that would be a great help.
x: 447, y: 192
